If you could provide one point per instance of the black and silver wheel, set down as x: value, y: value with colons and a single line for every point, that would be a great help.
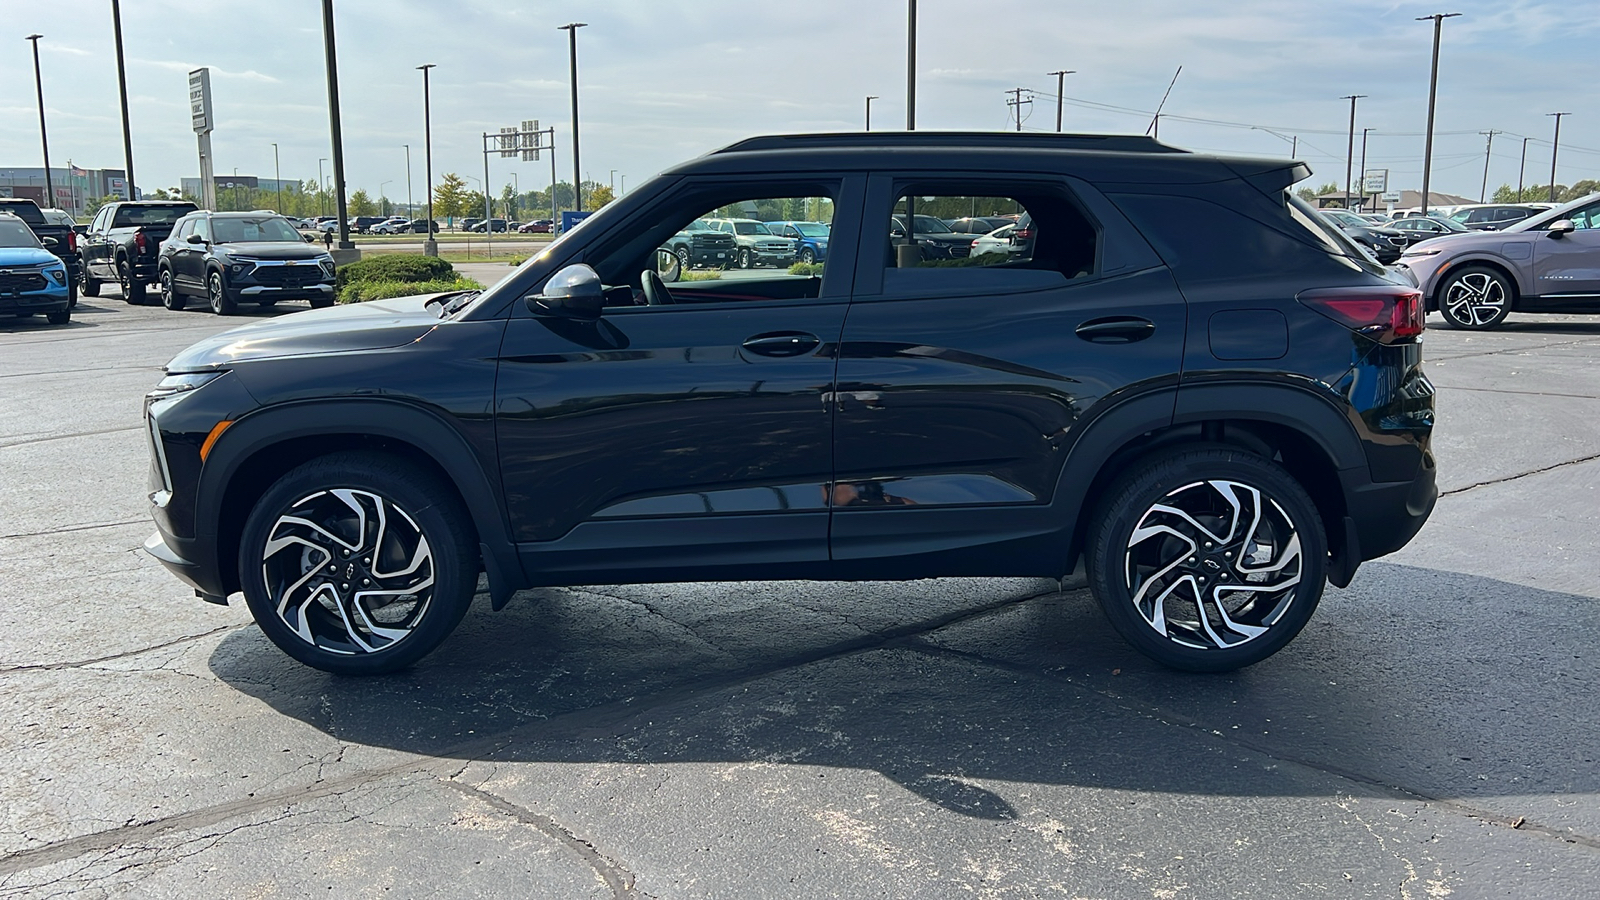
x: 132, y: 288
x: 170, y: 298
x: 1475, y: 299
x: 747, y: 259
x: 217, y: 293
x: 683, y: 259
x: 357, y: 564
x: 808, y: 256
x: 1208, y: 560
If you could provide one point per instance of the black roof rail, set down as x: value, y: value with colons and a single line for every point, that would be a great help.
x: 1113, y: 143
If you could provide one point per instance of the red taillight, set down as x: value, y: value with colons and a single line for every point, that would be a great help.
x: 72, y: 241
x: 1385, y: 314
x: 139, y: 241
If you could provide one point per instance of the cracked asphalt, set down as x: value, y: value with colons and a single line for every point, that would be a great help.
x: 1433, y: 732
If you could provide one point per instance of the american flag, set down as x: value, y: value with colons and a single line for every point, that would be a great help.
x: 79, y: 173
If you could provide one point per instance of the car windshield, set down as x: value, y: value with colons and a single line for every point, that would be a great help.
x: 1344, y: 218
x: 750, y: 228
x: 266, y: 228
x: 811, y: 229
x: 931, y: 225
x: 14, y: 233
x: 150, y: 215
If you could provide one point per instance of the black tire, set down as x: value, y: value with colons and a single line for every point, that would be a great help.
x: 1149, y: 583
x: 322, y: 302
x: 59, y: 317
x: 89, y: 285
x: 1476, y: 298
x: 746, y: 260
x: 808, y: 256
x: 217, y: 295
x: 72, y: 294
x: 383, y: 637
x: 682, y: 254
x: 132, y: 288
x: 170, y: 297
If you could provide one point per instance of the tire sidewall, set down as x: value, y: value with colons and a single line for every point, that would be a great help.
x: 217, y: 294
x: 1145, y: 484
x: 435, y: 510
x: 170, y: 298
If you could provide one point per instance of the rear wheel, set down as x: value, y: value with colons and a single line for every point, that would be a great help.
x: 132, y: 288
x: 358, y: 564
x: 1475, y: 299
x: 90, y: 285
x: 1207, y: 560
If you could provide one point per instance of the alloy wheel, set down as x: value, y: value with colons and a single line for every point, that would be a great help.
x: 348, y: 571
x: 1475, y: 299
x: 1213, y: 564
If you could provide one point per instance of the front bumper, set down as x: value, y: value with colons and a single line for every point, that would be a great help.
x: 51, y: 298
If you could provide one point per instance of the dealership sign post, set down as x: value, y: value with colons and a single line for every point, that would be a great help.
x: 200, y: 115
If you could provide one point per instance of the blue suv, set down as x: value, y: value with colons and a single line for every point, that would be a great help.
x: 32, y: 279
x: 810, y: 239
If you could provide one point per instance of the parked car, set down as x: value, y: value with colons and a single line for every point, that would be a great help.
x: 810, y: 239
x: 756, y: 245
x: 980, y: 224
x: 233, y: 258
x: 469, y: 222
x: 363, y: 224
x: 33, y: 279
x: 537, y: 226
x: 391, y: 226
x: 996, y: 241
x: 482, y: 226
x: 1424, y: 227
x: 699, y: 244
x: 1385, y: 244
x: 933, y: 235
x: 59, y: 237
x: 1492, y: 217
x: 1548, y: 263
x: 123, y: 244
x: 424, y: 226
x: 1128, y: 395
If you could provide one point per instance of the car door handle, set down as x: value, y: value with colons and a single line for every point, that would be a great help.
x: 782, y: 343
x: 1116, y: 330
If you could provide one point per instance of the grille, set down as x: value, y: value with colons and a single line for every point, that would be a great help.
x: 18, y: 282
x: 714, y: 241
x: 773, y: 246
x: 289, y: 276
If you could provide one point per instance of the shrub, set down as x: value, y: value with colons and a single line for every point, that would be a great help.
x: 801, y: 268
x: 362, y: 291
x: 711, y: 275
x: 402, y: 267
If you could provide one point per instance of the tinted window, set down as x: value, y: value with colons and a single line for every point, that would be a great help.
x: 149, y: 215
x: 1207, y: 241
x: 1053, y: 243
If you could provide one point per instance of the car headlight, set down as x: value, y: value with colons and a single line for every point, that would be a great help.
x: 183, y: 382
x: 60, y: 275
x: 1423, y: 251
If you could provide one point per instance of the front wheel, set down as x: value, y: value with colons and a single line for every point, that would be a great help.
x: 59, y: 317
x: 746, y: 260
x: 217, y: 292
x: 170, y: 298
x: 132, y: 288
x: 1475, y: 299
x: 358, y: 564
x: 1207, y: 560
x: 808, y: 256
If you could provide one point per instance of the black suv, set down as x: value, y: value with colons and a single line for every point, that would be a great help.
x: 248, y: 257
x: 1215, y: 420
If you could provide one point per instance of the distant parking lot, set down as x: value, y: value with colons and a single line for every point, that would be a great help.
x: 1432, y: 733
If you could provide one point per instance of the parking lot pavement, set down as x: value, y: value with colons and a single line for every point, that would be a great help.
x: 1430, y: 734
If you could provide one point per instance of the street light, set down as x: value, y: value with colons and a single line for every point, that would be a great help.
x: 38, y: 82
x: 333, y: 123
x: 869, y: 111
x: 1433, y: 93
x: 1350, y: 149
x: 571, y: 28
x: 430, y: 247
x: 122, y: 93
x: 911, y: 67
x: 1061, y: 88
x: 1555, y: 148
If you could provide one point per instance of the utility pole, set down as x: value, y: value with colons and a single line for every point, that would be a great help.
x: 122, y: 92
x: 571, y: 28
x: 911, y: 66
x: 411, y: 209
x: 1484, y: 191
x: 322, y: 191
x: 1433, y: 93
x: 1016, y: 103
x: 277, y: 176
x: 1350, y: 148
x: 44, y: 140
x: 1554, y: 149
x: 1522, y: 168
x: 1061, y: 87
x: 1363, y: 181
x: 430, y: 247
x: 342, y: 210
x: 869, y: 111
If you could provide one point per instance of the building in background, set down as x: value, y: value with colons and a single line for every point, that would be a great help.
x: 76, y: 188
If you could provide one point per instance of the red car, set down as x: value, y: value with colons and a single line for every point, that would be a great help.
x: 538, y: 226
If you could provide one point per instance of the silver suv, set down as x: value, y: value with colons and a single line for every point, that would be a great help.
x: 756, y: 244
x: 1548, y: 263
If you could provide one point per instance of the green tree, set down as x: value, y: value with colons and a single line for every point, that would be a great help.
x: 93, y: 206
x: 598, y: 197
x: 451, y: 197
x: 508, y: 201
x: 1505, y: 193
x: 360, y: 204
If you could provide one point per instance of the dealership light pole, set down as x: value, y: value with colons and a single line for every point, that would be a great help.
x: 571, y: 28
x: 1350, y: 148
x: 277, y: 176
x: 1433, y: 94
x: 1554, y: 149
x: 1061, y: 88
x: 44, y: 140
x: 911, y: 65
x: 1522, y: 168
x: 122, y: 92
x: 333, y: 122
x: 430, y: 247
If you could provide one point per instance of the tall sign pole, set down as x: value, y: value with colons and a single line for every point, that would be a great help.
x: 333, y: 123
x: 122, y: 92
x: 44, y: 139
x: 571, y: 29
x: 201, y: 118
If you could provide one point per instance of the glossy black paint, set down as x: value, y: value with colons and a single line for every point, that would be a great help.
x: 873, y: 425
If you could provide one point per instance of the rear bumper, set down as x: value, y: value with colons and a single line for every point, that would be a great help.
x: 1388, y: 514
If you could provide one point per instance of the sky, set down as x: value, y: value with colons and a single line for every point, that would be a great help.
x: 664, y: 80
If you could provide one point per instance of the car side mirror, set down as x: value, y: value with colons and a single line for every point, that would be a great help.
x: 1562, y: 227
x: 575, y: 292
x: 195, y: 239
x: 897, y: 232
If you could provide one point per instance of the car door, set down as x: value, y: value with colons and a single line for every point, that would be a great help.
x: 179, y: 254
x: 961, y: 387
x: 1569, y: 265
x: 96, y: 257
x: 679, y: 440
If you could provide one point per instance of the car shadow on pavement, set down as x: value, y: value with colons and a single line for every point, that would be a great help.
x: 1422, y: 682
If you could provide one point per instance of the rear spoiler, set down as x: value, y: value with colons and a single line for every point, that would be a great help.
x: 1271, y: 179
